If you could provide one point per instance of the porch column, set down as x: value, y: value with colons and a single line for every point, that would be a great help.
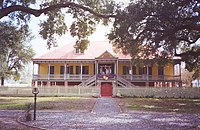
x: 147, y: 72
x: 81, y: 71
x: 96, y: 71
x: 131, y: 68
x: 65, y: 71
x: 117, y: 73
x: 115, y: 69
x: 164, y: 73
x: 48, y: 71
x: 48, y: 82
x: 38, y: 68
x: 97, y: 67
x: 147, y: 83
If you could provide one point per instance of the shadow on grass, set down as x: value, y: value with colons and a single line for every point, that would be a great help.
x: 161, y: 105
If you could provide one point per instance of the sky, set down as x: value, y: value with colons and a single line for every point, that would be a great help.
x: 39, y: 45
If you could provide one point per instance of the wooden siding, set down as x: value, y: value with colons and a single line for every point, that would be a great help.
x: 43, y: 68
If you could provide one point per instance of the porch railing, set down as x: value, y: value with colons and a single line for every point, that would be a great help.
x: 150, y: 77
x: 86, y: 76
x: 61, y: 77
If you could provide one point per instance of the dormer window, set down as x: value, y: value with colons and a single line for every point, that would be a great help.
x: 78, y: 51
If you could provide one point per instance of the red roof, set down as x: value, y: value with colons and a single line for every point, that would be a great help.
x: 67, y: 52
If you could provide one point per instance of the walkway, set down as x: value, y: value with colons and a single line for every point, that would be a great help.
x: 106, y: 115
x: 106, y: 106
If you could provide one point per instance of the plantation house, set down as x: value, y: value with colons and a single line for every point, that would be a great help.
x: 99, y: 66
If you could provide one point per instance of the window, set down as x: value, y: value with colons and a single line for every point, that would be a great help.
x: 78, y: 70
x: 70, y: 70
x: 85, y: 69
x: 125, y: 70
x: 78, y: 51
x: 140, y: 70
x: 51, y: 69
x: 134, y: 70
x: 62, y: 69
x: 150, y: 70
x: 144, y: 70
x: 160, y: 70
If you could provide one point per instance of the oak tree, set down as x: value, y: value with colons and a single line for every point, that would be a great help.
x: 158, y: 30
x: 147, y: 29
x: 14, y: 54
x: 86, y: 15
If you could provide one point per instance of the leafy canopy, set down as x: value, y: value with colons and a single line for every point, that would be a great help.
x: 147, y: 29
x: 86, y: 15
x: 160, y: 30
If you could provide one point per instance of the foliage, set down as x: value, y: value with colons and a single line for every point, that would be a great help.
x: 86, y: 15
x: 158, y: 29
x: 14, y: 53
x: 147, y: 29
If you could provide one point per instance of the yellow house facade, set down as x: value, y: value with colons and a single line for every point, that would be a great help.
x: 98, y: 65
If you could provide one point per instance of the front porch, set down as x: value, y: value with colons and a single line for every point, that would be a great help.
x: 86, y: 79
x: 79, y: 77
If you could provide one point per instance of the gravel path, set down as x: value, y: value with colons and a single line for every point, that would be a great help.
x: 106, y: 115
x: 106, y: 106
x: 8, y: 120
x: 126, y: 121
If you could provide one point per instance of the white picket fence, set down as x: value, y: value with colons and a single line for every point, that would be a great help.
x: 159, y: 92
x: 174, y: 92
x: 49, y: 91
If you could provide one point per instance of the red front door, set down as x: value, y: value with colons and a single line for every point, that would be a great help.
x: 106, y: 89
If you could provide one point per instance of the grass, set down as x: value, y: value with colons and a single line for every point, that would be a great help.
x: 86, y: 104
x: 13, y: 106
x: 50, y: 103
x: 161, y: 105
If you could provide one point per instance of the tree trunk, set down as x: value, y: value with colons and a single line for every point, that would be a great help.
x: 2, y: 81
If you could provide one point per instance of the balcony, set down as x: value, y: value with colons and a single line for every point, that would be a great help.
x: 68, y: 77
x: 151, y: 78
x: 79, y: 77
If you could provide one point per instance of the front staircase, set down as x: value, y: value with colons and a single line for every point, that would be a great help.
x: 89, y: 82
x: 124, y: 83
x: 121, y: 82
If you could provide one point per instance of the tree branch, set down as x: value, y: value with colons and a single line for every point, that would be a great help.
x: 188, y: 53
x: 37, y: 12
x: 188, y: 41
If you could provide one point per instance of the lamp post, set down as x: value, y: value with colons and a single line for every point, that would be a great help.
x: 35, y: 91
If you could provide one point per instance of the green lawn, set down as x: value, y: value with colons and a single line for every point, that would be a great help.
x: 161, y: 105
x: 43, y: 103
x: 86, y: 104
